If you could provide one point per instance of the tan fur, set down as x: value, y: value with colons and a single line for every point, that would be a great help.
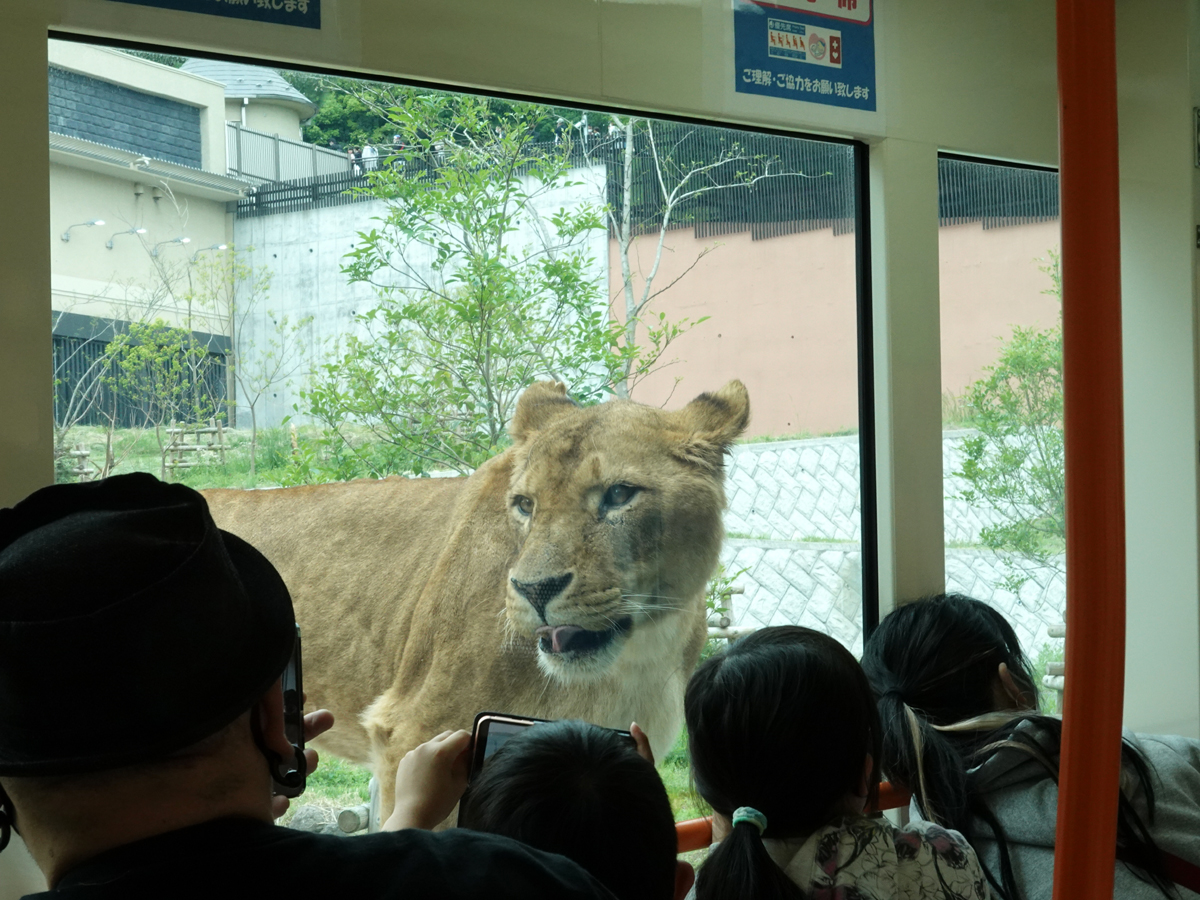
x: 403, y: 589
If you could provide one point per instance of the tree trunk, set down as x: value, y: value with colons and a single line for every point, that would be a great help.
x: 624, y: 239
x: 253, y: 440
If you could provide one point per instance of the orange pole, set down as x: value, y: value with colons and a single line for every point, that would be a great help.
x: 1092, y: 425
x: 693, y: 834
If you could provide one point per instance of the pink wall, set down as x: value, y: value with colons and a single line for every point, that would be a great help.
x: 990, y: 282
x: 782, y: 320
x: 782, y: 316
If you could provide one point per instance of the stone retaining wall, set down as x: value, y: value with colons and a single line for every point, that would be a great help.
x: 793, y: 526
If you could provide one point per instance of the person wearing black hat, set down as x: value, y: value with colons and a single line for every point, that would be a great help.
x: 141, y: 718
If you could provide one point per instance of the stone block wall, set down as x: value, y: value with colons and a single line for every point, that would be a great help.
x: 792, y: 545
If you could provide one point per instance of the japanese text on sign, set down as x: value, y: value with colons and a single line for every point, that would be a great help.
x: 819, y: 51
x: 305, y: 13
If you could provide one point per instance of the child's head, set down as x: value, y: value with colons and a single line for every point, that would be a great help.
x: 942, y: 655
x: 784, y: 722
x: 584, y: 792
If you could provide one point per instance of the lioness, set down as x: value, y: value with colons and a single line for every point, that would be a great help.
x: 564, y: 578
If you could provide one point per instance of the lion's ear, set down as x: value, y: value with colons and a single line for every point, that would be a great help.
x: 540, y: 404
x: 714, y: 422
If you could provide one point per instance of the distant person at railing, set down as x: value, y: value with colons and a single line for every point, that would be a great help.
x: 567, y: 787
x: 370, y: 158
x: 962, y: 731
x: 784, y: 735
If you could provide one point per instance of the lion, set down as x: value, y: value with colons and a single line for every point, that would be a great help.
x: 565, y: 578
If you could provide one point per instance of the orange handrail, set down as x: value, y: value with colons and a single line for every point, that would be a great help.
x: 1094, y: 447
x: 696, y: 834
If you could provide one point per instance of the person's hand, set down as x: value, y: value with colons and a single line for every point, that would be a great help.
x: 430, y: 780
x: 642, y: 742
x: 315, y: 724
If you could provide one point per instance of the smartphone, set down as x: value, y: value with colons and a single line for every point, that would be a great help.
x: 289, y: 774
x: 492, y: 730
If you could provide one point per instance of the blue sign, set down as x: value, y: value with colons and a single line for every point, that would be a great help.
x: 819, y: 51
x: 305, y: 13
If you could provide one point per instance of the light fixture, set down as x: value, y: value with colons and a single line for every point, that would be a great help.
x: 108, y: 243
x: 66, y: 235
x: 178, y: 240
x: 213, y: 247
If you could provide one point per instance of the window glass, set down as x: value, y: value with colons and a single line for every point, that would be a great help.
x: 1002, y: 394
x: 267, y: 279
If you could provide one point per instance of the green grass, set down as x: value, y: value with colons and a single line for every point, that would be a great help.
x: 335, y: 785
x: 800, y: 436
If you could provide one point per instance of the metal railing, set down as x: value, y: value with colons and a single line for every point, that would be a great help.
x: 270, y: 158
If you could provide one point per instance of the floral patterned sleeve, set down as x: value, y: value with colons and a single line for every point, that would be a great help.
x: 942, y: 860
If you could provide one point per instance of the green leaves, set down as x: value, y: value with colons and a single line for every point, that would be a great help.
x: 1014, y: 464
x: 481, y: 288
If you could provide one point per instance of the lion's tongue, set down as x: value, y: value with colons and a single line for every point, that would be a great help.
x: 560, y: 635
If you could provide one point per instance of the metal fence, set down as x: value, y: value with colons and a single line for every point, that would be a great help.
x: 270, y: 158
x: 766, y: 184
x: 84, y: 377
x: 994, y: 194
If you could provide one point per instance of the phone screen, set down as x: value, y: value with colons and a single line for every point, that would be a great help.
x: 499, y: 732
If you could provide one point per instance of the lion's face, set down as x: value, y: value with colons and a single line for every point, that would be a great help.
x: 617, y: 513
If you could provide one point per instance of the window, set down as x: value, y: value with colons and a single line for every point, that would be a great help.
x: 1002, y: 393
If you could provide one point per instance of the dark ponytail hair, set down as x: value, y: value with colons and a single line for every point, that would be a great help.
x: 782, y: 722
x: 934, y: 666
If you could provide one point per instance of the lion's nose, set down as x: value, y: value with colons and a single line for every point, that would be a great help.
x: 540, y: 593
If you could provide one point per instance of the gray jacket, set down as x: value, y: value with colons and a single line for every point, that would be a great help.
x: 1024, y: 799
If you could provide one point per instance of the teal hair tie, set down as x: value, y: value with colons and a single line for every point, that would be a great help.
x: 751, y: 815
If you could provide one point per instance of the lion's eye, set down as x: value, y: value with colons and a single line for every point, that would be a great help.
x: 619, y: 495
x: 524, y: 505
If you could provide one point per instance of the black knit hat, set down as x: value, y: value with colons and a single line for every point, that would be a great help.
x: 130, y: 626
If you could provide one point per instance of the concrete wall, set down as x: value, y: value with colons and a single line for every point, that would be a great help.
x: 271, y: 118
x: 304, y: 253
x: 265, y: 116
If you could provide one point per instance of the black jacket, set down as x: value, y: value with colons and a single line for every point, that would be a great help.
x: 245, y: 858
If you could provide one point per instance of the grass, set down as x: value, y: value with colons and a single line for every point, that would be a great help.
x: 136, y: 450
x: 336, y: 785
x: 956, y: 411
x: 800, y: 436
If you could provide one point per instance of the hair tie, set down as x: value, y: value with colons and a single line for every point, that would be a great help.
x: 751, y: 815
x: 894, y: 693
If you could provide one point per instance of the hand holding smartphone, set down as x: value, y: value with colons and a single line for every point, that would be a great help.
x: 289, y: 774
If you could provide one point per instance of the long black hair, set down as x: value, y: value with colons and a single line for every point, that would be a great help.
x: 783, y: 722
x: 576, y: 789
x: 934, y: 666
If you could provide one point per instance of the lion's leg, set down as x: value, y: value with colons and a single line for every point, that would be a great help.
x: 388, y: 744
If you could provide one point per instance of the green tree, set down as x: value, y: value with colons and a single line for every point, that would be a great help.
x: 468, y: 312
x: 225, y: 294
x: 1013, y: 464
x: 163, y: 373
